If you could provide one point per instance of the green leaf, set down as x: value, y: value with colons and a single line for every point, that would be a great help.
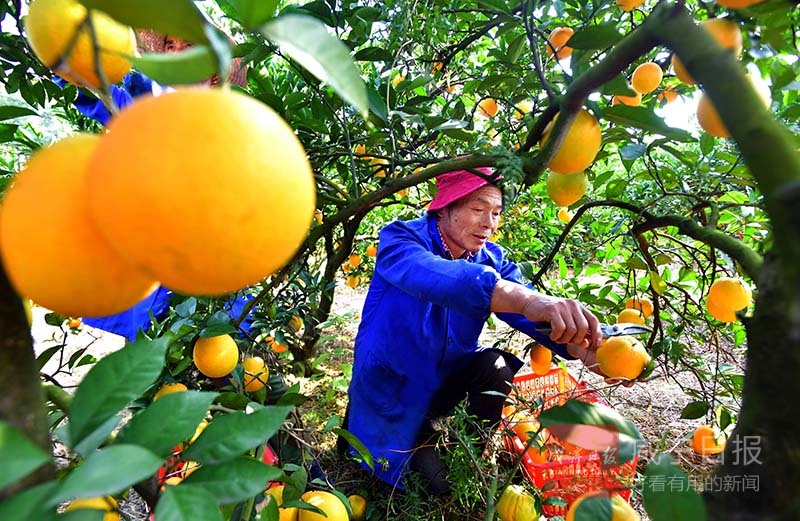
x: 231, y: 435
x: 148, y: 429
x: 194, y: 65
x: 618, y: 85
x: 107, y: 472
x: 374, y: 54
x: 252, y: 13
x: 668, y: 493
x: 657, y: 283
x: 28, y: 504
x: 187, y: 503
x: 645, y: 119
x: 13, y: 111
x: 694, y: 410
x: 307, y: 41
x: 595, y: 37
x: 362, y: 449
x: 234, y: 480
x: 633, y: 151
x: 219, y: 324
x: 114, y: 382
x: 594, y: 427
x: 19, y: 455
x: 179, y: 18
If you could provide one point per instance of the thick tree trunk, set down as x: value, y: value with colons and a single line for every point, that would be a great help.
x: 759, y: 477
x: 21, y: 394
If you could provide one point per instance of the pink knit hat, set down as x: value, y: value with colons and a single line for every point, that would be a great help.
x: 452, y: 186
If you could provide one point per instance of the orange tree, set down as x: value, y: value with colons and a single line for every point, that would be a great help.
x: 386, y: 95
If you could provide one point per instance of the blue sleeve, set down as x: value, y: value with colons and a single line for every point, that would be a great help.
x: 407, y: 262
x: 133, y: 84
x: 234, y: 308
x: 511, y: 272
x: 129, y: 323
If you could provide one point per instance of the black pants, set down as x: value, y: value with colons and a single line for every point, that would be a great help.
x: 488, y: 371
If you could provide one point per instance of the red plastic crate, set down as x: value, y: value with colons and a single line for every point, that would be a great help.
x: 567, y: 476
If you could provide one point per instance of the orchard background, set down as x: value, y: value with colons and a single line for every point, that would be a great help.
x: 384, y: 96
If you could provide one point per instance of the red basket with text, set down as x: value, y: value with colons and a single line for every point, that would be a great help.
x: 560, y: 469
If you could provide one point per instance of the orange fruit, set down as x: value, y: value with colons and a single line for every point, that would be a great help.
x: 704, y: 442
x: 371, y: 250
x: 286, y: 514
x: 725, y: 32
x: 580, y: 145
x: 629, y: 5
x: 74, y: 323
x: 566, y: 189
x: 330, y: 504
x: 668, y: 95
x: 730, y: 293
x: 398, y: 79
x: 643, y: 304
x: 541, y: 359
x: 558, y: 39
x: 215, y: 356
x: 646, y: 77
x: 380, y: 166
x: 564, y: 215
x: 709, y: 118
x: 355, y: 260
x: 721, y: 313
x: 437, y: 66
x: 256, y: 373
x: 361, y: 151
x: 296, y: 323
x: 107, y: 504
x: 52, y: 250
x: 631, y: 101
x: 737, y: 4
x: 27, y: 306
x: 630, y: 316
x: 620, y: 509
x: 186, y: 214
x: 318, y: 216
x: 522, y: 108
x: 278, y: 347
x: 169, y: 389
x: 60, y: 38
x: 487, y: 107
x: 622, y: 357
x: 353, y: 281
x: 516, y: 504
x: 358, y: 505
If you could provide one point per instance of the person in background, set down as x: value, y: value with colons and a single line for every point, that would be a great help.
x: 436, y: 281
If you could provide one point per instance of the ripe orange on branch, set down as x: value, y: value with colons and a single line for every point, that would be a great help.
x: 580, y: 145
x: 631, y: 101
x: 215, y: 356
x: 487, y: 107
x: 620, y: 509
x: 566, y: 189
x: 46, y: 225
x: 256, y: 373
x: 629, y: 5
x: 630, y: 316
x: 643, y: 304
x: 558, y: 40
x: 646, y: 77
x: 59, y: 33
x: 709, y: 118
x: 705, y: 442
x: 204, y: 219
x: 622, y: 357
x: 330, y: 504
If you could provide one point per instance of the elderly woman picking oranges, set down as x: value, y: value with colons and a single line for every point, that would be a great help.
x: 437, y: 279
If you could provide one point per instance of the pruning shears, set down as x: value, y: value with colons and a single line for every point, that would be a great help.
x: 609, y: 330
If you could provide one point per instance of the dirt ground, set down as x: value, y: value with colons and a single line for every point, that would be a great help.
x: 654, y: 406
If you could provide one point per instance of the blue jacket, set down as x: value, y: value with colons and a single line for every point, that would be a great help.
x: 421, y: 321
